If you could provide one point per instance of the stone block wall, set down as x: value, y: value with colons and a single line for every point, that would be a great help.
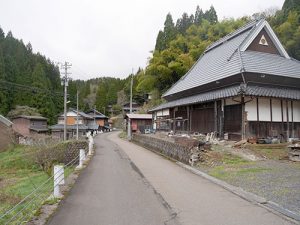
x: 72, y: 151
x: 188, y: 142
x: 172, y: 150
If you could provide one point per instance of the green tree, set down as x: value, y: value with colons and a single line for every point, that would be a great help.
x: 198, y: 16
x: 165, y: 36
x: 211, y: 15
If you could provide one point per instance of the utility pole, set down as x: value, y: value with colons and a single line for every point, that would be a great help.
x: 77, y: 125
x: 130, y: 111
x: 65, y: 81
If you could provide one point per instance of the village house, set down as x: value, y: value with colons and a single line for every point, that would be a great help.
x: 30, y: 126
x: 139, y: 122
x: 100, y: 119
x: 6, y: 133
x: 126, y: 108
x: 85, y: 123
x: 244, y: 85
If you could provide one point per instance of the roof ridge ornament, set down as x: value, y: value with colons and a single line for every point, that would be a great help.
x: 263, y: 41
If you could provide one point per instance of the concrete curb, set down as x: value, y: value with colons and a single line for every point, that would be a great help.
x: 244, y: 194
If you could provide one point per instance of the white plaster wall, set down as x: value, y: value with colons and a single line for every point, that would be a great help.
x: 264, y: 109
x: 159, y: 113
x: 250, y: 108
x: 284, y: 111
x: 296, y: 110
x: 276, y: 110
x: 166, y: 112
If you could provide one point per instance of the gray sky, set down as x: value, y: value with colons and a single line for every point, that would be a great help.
x: 105, y: 38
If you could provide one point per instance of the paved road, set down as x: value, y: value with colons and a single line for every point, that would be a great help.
x: 196, y: 200
x: 129, y: 185
x: 112, y: 191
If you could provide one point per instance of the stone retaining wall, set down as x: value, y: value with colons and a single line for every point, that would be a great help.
x: 172, y: 150
x: 73, y: 149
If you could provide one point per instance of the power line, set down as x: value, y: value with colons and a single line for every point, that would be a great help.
x: 28, y: 88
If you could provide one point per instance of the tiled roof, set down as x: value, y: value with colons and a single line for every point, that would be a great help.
x: 38, y: 129
x: 6, y: 121
x: 31, y: 117
x: 251, y: 90
x: 98, y: 115
x: 69, y: 127
x: 242, y: 29
x: 225, y: 58
x: 139, y: 116
x: 275, y: 92
x: 203, y: 97
x: 220, y: 62
x: 264, y: 63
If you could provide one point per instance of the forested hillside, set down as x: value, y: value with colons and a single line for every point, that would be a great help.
x: 27, y: 78
x: 178, y: 46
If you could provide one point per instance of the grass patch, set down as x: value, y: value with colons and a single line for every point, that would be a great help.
x: 19, y: 177
x: 270, y: 152
x: 230, y: 159
x: 226, y: 166
x: 229, y: 172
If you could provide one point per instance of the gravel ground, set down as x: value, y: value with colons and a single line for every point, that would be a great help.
x: 277, y: 181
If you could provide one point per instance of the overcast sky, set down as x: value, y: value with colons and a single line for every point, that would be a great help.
x: 105, y: 38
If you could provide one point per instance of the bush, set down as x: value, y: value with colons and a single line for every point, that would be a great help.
x: 48, y: 155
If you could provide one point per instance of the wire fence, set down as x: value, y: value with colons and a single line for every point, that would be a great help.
x: 30, y: 205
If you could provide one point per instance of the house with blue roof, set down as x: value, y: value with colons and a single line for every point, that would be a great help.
x: 244, y: 85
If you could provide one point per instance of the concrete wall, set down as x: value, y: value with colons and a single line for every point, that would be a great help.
x: 172, y: 150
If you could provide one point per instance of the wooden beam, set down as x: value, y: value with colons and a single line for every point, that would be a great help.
x: 271, y: 115
x: 243, y: 118
x: 293, y: 125
x: 282, y: 126
x: 188, y: 118
x: 223, y: 102
x: 191, y: 117
x: 257, y: 118
x: 215, y: 117
x: 287, y: 121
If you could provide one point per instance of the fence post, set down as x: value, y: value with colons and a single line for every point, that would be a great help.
x: 81, y: 158
x: 58, y: 180
x: 90, y: 148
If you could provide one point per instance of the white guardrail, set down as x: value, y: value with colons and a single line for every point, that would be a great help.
x: 24, y: 210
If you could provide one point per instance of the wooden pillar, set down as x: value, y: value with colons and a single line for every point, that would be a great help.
x: 174, y: 120
x: 188, y: 119
x: 271, y: 116
x: 287, y: 121
x: 243, y: 118
x: 293, y: 125
x: 191, y: 118
x: 257, y: 117
x: 215, y: 117
x: 282, y: 125
x: 222, y: 118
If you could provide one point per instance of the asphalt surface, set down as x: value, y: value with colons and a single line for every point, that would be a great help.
x: 196, y: 200
x: 112, y: 191
x: 127, y: 184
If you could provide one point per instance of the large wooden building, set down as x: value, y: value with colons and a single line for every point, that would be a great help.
x: 244, y: 85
